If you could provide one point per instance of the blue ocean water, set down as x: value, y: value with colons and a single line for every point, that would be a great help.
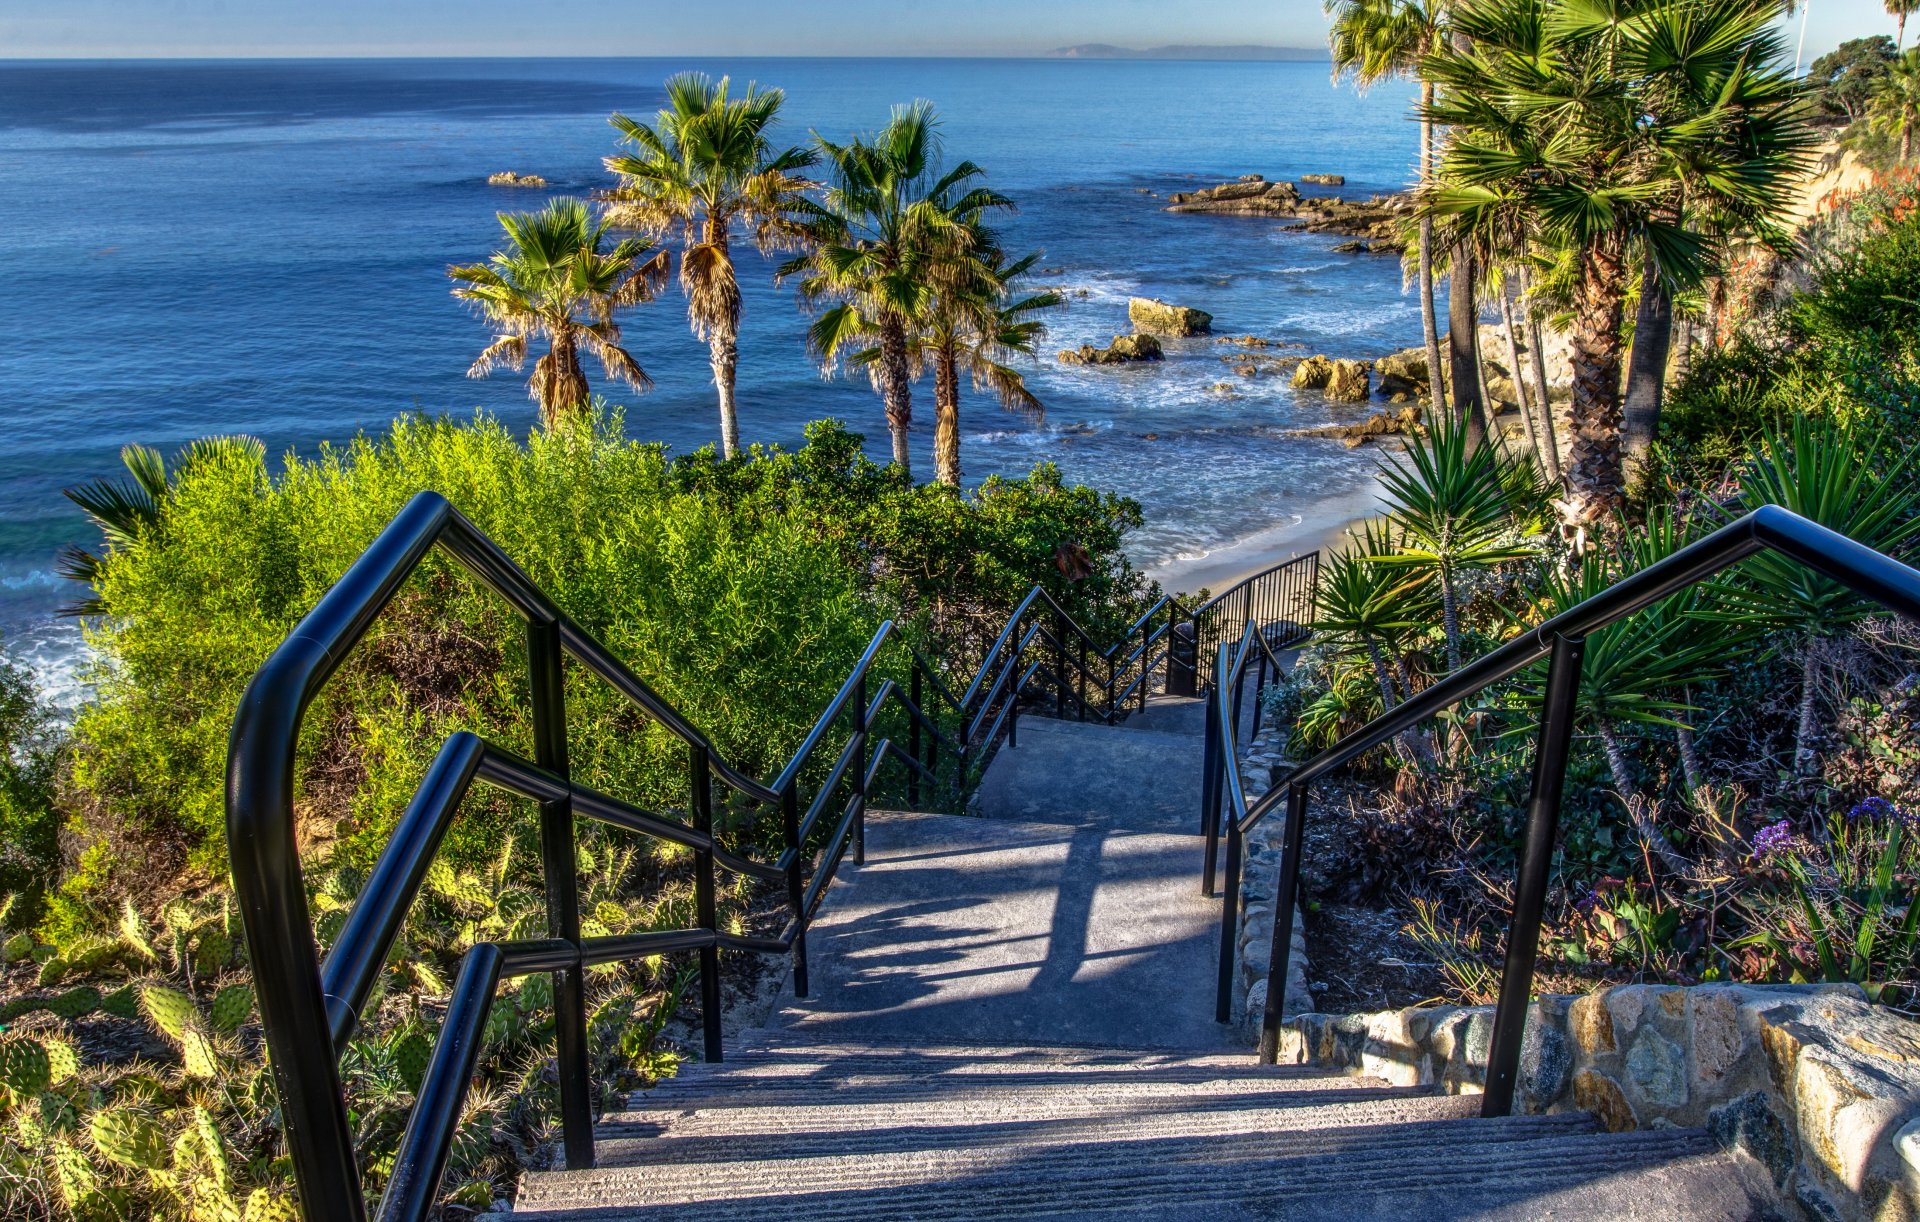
x: 260, y: 247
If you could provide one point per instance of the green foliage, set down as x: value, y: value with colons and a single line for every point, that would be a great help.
x: 1845, y: 76
x: 29, y: 826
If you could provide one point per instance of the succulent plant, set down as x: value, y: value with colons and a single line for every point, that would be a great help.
x: 169, y: 1010
x: 231, y: 1007
x: 130, y: 1137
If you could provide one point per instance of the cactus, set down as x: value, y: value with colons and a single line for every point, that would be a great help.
x: 74, y: 1003
x: 63, y: 1061
x: 25, y: 1068
x: 123, y: 1002
x: 17, y: 947
x: 412, y: 1052
x: 134, y: 932
x: 75, y: 1175
x: 197, y: 1057
x: 266, y: 1206
x: 169, y: 1010
x: 231, y: 1007
x: 213, y: 951
x: 129, y: 1137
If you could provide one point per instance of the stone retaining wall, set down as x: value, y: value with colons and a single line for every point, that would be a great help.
x: 1259, y: 883
x: 1818, y: 1086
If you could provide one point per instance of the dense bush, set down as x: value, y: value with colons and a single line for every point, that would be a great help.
x: 741, y: 591
x: 28, y: 824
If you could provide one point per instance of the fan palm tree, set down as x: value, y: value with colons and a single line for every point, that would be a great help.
x: 976, y: 323
x: 1371, y: 41
x: 705, y: 166
x: 1898, y: 10
x: 1369, y: 610
x: 1894, y: 109
x: 1593, y: 122
x: 890, y: 220
x: 553, y: 282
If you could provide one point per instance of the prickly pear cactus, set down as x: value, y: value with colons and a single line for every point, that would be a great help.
x: 130, y: 1137
x: 266, y: 1206
x: 25, y: 1068
x: 197, y: 1056
x: 412, y: 1052
x: 231, y: 1007
x: 169, y: 1010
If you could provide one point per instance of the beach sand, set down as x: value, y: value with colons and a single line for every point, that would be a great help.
x: 1323, y: 527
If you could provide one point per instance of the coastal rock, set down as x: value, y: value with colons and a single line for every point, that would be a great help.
x: 1325, y: 180
x: 1403, y: 372
x: 507, y: 178
x: 1125, y: 349
x: 1349, y: 382
x: 1377, y: 220
x: 1245, y: 341
x: 1157, y: 317
x: 1358, y: 247
x: 1380, y: 424
x: 1313, y: 373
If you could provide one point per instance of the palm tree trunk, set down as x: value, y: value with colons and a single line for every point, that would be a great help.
x: 1537, y: 342
x: 1514, y: 371
x: 1436, y: 393
x: 1388, y: 697
x: 1647, y: 366
x: 1636, y: 802
x: 1811, y: 664
x: 1680, y: 363
x: 1450, y: 617
x: 1463, y: 347
x: 946, y: 418
x: 896, y: 389
x: 1593, y: 473
x: 723, y: 353
x: 564, y: 391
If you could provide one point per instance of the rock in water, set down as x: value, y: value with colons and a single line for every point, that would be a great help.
x: 1313, y: 373
x: 1325, y: 180
x: 1123, y: 350
x: 1156, y: 317
x: 507, y: 178
x: 1403, y: 372
x: 1349, y: 382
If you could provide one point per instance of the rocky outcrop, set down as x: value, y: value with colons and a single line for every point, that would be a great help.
x: 1347, y: 381
x: 1325, y: 180
x: 1125, y: 349
x: 1819, y: 1087
x: 1157, y: 317
x: 507, y: 178
x: 1379, y: 424
x: 1377, y: 219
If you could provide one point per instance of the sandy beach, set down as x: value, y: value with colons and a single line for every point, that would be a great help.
x: 1323, y: 528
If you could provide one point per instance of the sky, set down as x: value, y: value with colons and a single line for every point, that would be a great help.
x: 193, y: 28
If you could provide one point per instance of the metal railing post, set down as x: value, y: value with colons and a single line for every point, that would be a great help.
x: 796, y: 883
x: 1229, y: 926
x: 913, y: 737
x: 1287, y: 896
x: 559, y: 864
x: 1013, y: 691
x: 1059, y: 665
x: 860, y: 771
x: 1081, y: 713
x: 1210, y: 779
x: 706, y: 914
x: 1536, y: 868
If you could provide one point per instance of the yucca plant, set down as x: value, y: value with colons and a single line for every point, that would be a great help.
x: 1448, y: 500
x: 1860, y: 483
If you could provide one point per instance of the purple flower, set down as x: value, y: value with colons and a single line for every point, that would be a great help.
x: 1774, y: 838
x: 1879, y: 808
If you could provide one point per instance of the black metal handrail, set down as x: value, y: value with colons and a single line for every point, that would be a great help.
x: 1561, y: 640
x: 310, y: 1009
x: 1280, y: 598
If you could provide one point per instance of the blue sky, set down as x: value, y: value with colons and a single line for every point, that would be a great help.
x: 36, y: 28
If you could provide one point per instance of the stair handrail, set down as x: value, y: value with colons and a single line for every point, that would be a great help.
x: 1561, y: 640
x: 309, y: 1009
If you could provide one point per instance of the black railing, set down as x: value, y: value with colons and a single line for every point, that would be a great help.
x: 310, y: 1009
x: 1561, y: 640
x: 1280, y: 599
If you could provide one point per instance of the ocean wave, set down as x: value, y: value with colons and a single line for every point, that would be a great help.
x: 33, y: 579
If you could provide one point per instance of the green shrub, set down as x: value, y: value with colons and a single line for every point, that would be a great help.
x: 28, y: 825
x: 741, y: 591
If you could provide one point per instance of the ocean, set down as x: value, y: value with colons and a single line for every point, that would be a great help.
x: 260, y: 247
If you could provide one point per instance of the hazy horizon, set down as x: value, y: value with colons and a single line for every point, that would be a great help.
x: 759, y: 29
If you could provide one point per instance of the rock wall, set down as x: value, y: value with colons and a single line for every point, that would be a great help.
x: 1818, y: 1086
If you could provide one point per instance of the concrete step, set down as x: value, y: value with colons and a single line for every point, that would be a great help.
x: 1086, y: 773
x: 999, y: 932
x: 1522, y: 1167
x: 1170, y: 715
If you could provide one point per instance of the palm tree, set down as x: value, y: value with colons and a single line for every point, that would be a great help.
x: 1372, y: 40
x: 890, y: 220
x: 1895, y: 106
x: 975, y: 324
x: 1898, y: 10
x: 705, y: 166
x: 1368, y: 610
x: 555, y: 283
x: 1594, y: 125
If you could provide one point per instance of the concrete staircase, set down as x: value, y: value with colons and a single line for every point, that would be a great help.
x: 1011, y: 1017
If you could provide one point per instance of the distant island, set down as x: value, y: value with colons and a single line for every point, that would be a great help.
x: 1101, y: 50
